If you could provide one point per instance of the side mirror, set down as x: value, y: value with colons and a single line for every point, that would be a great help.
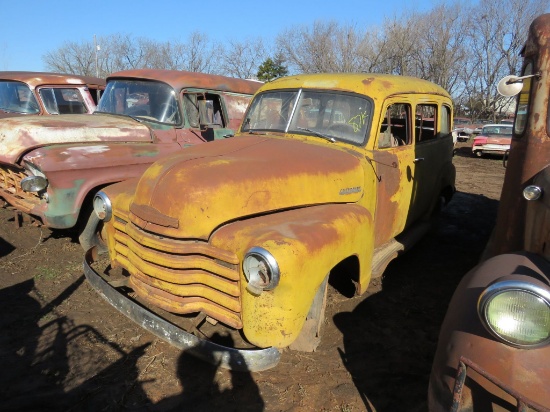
x: 512, y: 85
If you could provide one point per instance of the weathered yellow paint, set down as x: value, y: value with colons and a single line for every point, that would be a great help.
x: 306, y: 243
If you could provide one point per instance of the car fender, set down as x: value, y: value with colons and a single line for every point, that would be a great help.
x: 306, y: 243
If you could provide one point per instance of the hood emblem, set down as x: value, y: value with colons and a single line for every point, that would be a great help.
x: 350, y: 190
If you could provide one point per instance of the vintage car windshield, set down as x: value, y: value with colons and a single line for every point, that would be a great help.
x: 327, y: 114
x: 148, y: 100
x: 501, y: 129
x: 17, y: 97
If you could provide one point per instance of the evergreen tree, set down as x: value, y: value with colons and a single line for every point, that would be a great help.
x: 272, y: 69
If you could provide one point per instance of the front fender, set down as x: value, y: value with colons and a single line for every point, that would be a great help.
x: 74, y: 171
x: 462, y: 334
x: 307, y: 243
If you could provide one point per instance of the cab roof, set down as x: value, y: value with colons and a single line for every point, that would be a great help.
x: 372, y: 84
x: 35, y: 79
x: 179, y: 79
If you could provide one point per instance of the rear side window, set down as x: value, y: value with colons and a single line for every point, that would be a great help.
x: 425, y: 122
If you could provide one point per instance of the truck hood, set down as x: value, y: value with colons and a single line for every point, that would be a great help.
x: 18, y: 135
x: 193, y: 193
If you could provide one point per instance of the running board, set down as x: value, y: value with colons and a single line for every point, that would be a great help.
x: 384, y: 254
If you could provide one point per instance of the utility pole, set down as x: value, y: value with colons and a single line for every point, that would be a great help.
x: 97, y: 48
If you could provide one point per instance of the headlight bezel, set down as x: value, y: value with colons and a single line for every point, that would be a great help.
x: 257, y: 283
x: 103, y: 207
x: 36, y: 181
x: 502, y: 286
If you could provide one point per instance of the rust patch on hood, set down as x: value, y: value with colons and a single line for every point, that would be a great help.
x: 18, y: 135
x: 211, y: 184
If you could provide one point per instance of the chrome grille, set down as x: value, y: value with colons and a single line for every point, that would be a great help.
x: 180, y: 276
x: 10, y: 189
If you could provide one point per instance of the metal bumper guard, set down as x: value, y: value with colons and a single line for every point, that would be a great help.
x: 252, y: 360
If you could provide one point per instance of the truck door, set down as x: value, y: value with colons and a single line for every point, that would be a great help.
x: 394, y: 162
x: 433, y: 148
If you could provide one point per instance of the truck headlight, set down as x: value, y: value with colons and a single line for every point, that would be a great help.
x: 102, y: 206
x: 516, y: 312
x: 34, y: 184
x: 261, y: 270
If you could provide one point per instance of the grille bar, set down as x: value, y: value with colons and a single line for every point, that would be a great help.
x: 180, y: 276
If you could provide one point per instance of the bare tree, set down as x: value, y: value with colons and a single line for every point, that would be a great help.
x: 495, y: 38
x: 72, y: 57
x: 325, y: 47
x: 242, y: 59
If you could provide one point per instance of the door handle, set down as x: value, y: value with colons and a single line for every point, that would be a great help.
x: 418, y: 159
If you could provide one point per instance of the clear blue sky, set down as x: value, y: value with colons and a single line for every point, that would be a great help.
x: 29, y: 29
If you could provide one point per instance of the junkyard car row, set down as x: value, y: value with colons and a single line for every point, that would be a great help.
x: 51, y: 168
x: 298, y: 179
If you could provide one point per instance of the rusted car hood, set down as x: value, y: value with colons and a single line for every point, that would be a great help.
x: 191, y: 194
x: 18, y: 135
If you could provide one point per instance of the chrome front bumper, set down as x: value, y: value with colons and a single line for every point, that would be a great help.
x: 252, y: 360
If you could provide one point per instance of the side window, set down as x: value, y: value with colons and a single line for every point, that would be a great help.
x: 396, y: 126
x: 425, y: 127
x: 445, y: 126
x: 63, y: 100
x: 204, y: 110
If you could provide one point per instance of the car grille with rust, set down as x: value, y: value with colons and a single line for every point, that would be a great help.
x: 10, y: 189
x: 180, y: 276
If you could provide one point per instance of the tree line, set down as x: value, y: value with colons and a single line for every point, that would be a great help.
x: 465, y: 48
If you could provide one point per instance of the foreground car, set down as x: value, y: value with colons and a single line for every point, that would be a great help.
x: 38, y: 93
x: 494, y: 346
x: 493, y: 139
x: 329, y: 171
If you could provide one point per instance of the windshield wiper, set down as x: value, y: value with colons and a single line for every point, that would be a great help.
x: 318, y: 134
x: 252, y: 131
x: 137, y: 119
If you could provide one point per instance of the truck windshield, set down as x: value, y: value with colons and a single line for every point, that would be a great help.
x: 341, y: 116
x: 17, y: 97
x: 147, y: 100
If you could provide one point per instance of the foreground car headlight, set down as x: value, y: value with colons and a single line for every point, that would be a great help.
x: 34, y: 184
x: 516, y: 312
x: 102, y: 206
x: 261, y: 270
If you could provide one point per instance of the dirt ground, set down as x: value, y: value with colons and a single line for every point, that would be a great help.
x: 63, y: 348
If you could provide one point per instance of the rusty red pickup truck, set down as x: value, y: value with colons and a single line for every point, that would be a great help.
x: 50, y: 168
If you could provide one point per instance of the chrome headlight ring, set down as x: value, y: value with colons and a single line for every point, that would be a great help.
x: 102, y: 206
x: 517, y: 313
x: 261, y: 270
x: 36, y: 180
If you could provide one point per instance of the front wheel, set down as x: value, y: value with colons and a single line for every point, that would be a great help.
x: 478, y: 153
x: 90, y: 234
x: 310, y: 335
